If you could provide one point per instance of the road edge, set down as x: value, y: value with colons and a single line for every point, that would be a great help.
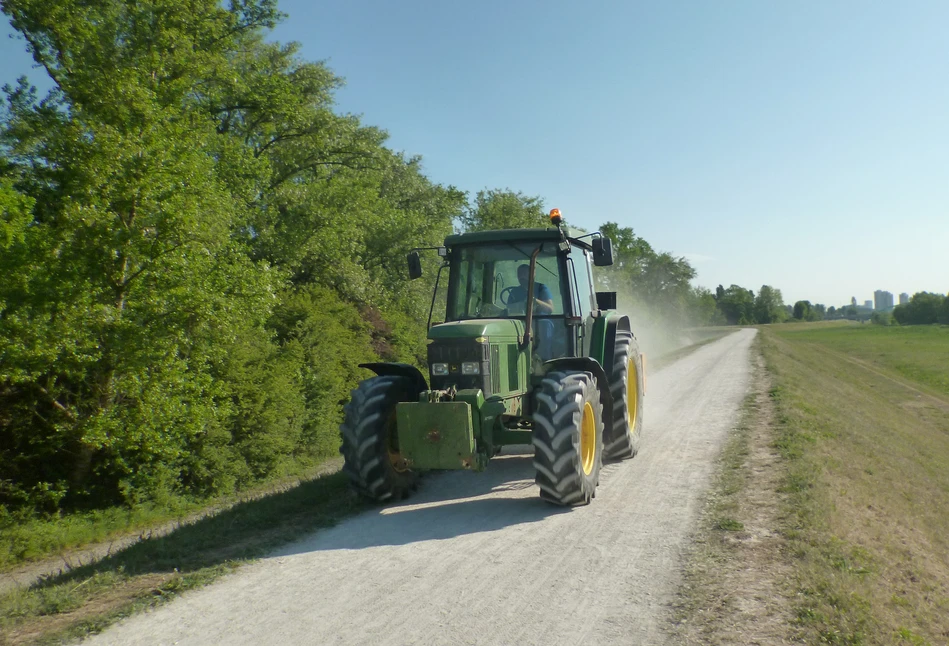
x: 734, y: 577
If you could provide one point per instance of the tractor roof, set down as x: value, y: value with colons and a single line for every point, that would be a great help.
x: 510, y: 235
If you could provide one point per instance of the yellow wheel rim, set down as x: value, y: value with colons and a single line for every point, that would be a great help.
x: 632, y: 398
x: 588, y: 439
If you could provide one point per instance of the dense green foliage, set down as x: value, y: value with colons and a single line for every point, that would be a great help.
x: 505, y: 209
x: 197, y: 251
x: 740, y: 306
x: 804, y: 311
x: 924, y: 308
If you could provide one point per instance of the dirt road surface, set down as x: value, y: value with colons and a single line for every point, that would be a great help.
x: 480, y: 559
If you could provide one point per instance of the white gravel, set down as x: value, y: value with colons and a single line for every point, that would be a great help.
x: 480, y: 559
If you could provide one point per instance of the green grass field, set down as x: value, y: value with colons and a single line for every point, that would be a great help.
x: 918, y: 353
x: 864, y: 429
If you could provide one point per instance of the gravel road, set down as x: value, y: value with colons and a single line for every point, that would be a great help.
x: 480, y: 559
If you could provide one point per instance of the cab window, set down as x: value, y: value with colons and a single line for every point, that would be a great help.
x: 580, y: 258
x: 484, y: 281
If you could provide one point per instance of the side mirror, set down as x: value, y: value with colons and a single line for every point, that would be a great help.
x: 602, y: 252
x: 606, y: 300
x: 415, y: 265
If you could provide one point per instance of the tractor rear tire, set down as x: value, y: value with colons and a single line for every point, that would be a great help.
x: 627, y: 388
x: 370, y: 441
x: 568, y: 437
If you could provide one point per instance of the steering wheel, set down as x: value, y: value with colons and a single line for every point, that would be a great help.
x: 505, y: 294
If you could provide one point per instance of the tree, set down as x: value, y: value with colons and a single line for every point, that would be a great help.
x: 15, y: 216
x: 924, y: 308
x: 196, y: 252
x: 503, y: 209
x: 132, y: 281
x: 703, y: 308
x: 737, y: 305
x: 802, y: 310
x: 942, y: 313
x: 769, y: 305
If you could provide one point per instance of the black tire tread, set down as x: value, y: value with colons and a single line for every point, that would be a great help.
x: 556, y: 437
x: 622, y: 443
x: 364, y: 442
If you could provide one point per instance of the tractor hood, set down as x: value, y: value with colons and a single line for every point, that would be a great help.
x: 475, y: 328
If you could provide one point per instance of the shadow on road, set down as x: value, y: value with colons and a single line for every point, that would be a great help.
x: 417, y: 524
x: 447, y: 505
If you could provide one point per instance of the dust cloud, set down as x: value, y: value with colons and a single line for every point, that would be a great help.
x: 658, y: 333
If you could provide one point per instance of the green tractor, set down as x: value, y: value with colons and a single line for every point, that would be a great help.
x: 529, y: 353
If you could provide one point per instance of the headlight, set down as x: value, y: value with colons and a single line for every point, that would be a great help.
x: 470, y: 368
x: 439, y: 369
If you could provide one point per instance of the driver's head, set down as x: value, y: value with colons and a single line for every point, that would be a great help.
x: 523, y: 274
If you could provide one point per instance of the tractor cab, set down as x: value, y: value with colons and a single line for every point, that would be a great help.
x: 492, y: 281
x: 541, y: 278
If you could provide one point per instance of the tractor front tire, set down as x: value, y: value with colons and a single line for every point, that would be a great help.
x: 626, y: 386
x: 370, y: 442
x: 568, y: 437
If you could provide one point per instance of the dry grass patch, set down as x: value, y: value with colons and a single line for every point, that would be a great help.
x: 116, y: 597
x: 868, y: 485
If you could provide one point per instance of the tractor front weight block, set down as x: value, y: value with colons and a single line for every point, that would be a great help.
x: 437, y: 435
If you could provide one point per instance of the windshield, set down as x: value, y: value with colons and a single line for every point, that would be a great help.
x: 490, y: 281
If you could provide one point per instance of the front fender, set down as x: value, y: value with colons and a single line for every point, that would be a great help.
x: 384, y: 369
x: 587, y: 364
x: 613, y: 325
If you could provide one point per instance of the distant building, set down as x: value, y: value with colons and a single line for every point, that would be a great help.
x: 882, y: 300
x: 868, y: 304
x: 904, y: 298
x: 853, y: 301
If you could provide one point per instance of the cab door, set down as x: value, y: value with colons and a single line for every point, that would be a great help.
x: 583, y: 297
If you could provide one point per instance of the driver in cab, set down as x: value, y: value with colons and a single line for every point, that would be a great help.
x: 543, y: 299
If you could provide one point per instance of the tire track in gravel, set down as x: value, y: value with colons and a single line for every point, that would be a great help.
x: 480, y: 559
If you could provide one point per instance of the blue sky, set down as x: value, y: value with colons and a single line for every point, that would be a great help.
x: 804, y: 145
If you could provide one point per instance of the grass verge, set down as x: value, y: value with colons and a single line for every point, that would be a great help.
x: 842, y: 453
x: 863, y: 431
x: 28, y: 543
x: 88, y: 598
x: 734, y: 588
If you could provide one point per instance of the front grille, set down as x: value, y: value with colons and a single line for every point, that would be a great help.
x: 454, y: 352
